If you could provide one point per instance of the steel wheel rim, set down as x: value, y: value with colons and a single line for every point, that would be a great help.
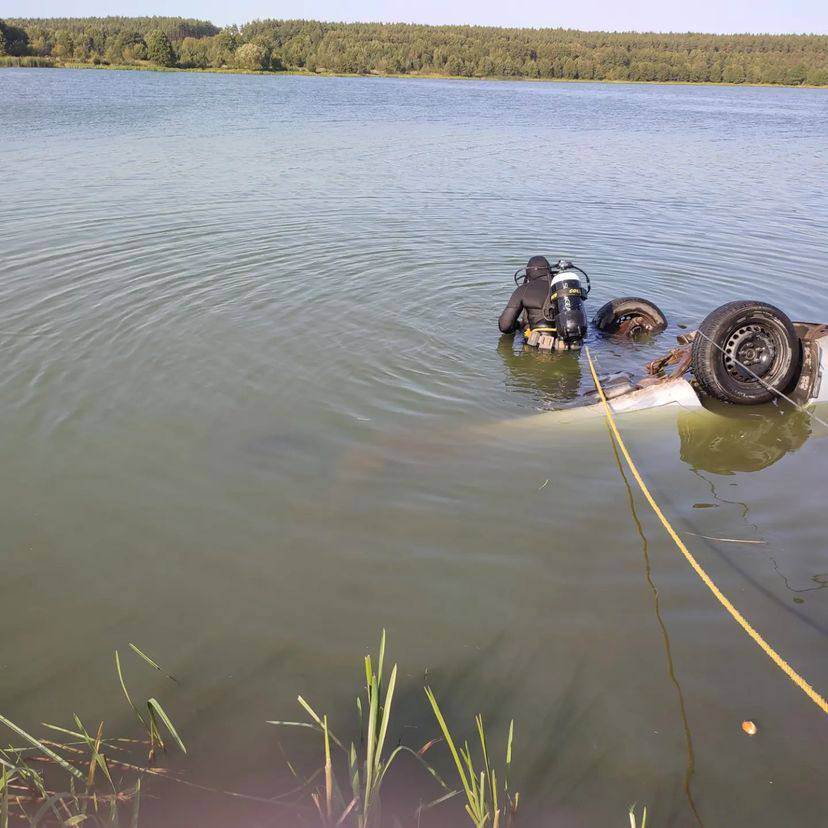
x: 753, y: 346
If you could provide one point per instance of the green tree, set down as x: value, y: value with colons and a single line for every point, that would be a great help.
x: 403, y: 48
x: 817, y: 76
x: 134, y: 51
x: 63, y: 45
x: 797, y: 74
x: 193, y: 53
x: 39, y: 41
x: 223, y: 47
x: 159, y: 48
x: 252, y: 56
x: 733, y: 73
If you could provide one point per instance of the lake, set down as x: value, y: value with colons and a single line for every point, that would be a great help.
x: 255, y: 407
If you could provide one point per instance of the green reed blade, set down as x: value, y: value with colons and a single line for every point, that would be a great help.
x: 155, y: 707
x: 434, y: 802
x: 386, y: 714
x: 72, y: 733
x: 353, y: 772
x: 154, y: 664
x: 449, y: 741
x: 368, y: 673
x: 634, y: 820
x: 509, y: 745
x: 40, y: 746
x: 478, y: 719
x: 99, y: 758
x: 373, y: 713
x: 293, y: 724
x: 418, y: 756
x: 4, y: 800
x: 312, y: 713
x: 136, y: 808
x: 381, y: 658
x: 126, y: 692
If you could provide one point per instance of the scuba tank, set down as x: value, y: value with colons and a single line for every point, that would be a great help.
x: 564, y: 305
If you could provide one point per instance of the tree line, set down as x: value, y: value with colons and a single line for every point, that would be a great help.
x: 407, y: 49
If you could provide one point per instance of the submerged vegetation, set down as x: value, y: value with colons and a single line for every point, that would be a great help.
x: 367, y: 761
x: 82, y: 777
x: 485, y: 798
x: 406, y: 49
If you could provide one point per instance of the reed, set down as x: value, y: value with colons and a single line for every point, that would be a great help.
x: 487, y: 798
x: 30, y: 61
x: 367, y: 759
x: 634, y: 823
x: 72, y: 781
x: 154, y: 715
x: 86, y: 778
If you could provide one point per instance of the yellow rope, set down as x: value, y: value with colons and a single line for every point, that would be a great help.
x: 780, y: 662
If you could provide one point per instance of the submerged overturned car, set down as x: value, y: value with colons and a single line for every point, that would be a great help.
x: 743, y: 353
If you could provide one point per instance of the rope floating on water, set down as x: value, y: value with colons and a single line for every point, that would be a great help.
x: 780, y: 662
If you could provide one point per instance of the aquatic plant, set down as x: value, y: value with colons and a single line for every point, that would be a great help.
x: 633, y: 819
x: 485, y: 798
x: 28, y: 61
x: 155, y: 714
x: 74, y: 781
x: 71, y: 782
x: 66, y: 792
x: 367, y: 759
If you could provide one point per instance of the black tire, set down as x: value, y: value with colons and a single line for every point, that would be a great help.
x: 610, y: 316
x: 751, y: 334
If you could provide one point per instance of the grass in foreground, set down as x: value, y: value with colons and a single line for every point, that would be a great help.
x: 82, y: 777
x: 366, y: 760
x: 484, y: 798
x: 489, y: 798
x: 634, y: 820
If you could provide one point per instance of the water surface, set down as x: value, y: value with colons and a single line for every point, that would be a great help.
x: 252, y: 399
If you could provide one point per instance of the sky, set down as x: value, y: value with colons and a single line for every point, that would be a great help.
x: 720, y: 16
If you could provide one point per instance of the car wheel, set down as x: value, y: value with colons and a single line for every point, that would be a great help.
x: 744, y: 351
x: 630, y: 315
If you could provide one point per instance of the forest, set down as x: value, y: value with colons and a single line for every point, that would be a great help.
x: 407, y: 49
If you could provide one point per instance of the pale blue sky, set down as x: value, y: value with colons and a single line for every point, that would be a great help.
x: 616, y: 15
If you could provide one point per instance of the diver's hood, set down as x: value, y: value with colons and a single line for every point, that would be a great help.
x: 537, y: 267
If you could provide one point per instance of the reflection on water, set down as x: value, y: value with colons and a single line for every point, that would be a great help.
x: 555, y: 377
x: 818, y: 582
x: 746, y: 522
x: 668, y: 653
x: 741, y: 439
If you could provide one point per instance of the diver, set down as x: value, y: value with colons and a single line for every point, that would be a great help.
x: 548, y: 305
x: 529, y: 299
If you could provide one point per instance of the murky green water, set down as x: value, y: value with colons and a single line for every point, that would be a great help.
x: 252, y: 399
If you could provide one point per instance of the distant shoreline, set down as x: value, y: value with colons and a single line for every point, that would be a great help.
x: 149, y: 67
x: 404, y: 50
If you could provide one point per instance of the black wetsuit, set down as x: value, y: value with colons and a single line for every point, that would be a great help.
x: 528, y: 297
